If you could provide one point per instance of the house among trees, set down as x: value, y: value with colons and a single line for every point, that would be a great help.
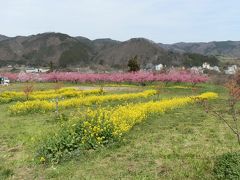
x: 36, y: 70
x: 196, y: 69
x: 209, y: 67
x: 231, y: 69
x: 149, y: 67
x: 159, y: 67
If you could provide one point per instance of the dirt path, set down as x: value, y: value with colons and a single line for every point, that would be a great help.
x: 111, y: 88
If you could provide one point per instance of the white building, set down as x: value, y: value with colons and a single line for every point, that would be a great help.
x: 206, y: 66
x: 36, y: 70
x: 197, y: 69
x: 43, y: 70
x: 209, y: 67
x: 159, y: 67
x: 216, y: 68
x: 231, y: 69
x: 31, y: 70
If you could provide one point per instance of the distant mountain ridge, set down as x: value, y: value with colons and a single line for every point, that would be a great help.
x: 2, y: 37
x: 64, y: 50
x: 217, y: 48
x: 146, y: 50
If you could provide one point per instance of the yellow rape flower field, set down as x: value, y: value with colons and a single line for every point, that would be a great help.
x: 137, y: 132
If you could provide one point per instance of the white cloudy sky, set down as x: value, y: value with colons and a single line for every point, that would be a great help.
x: 165, y: 21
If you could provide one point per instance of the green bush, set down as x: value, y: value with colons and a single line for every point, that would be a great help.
x: 227, y: 166
x: 74, y: 136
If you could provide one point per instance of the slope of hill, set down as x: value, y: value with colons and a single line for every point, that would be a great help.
x: 101, y: 44
x: 2, y: 37
x: 221, y: 48
x: 146, y: 50
x: 85, y: 41
x: 40, y: 49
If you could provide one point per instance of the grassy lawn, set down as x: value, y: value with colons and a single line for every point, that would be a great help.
x: 180, y: 144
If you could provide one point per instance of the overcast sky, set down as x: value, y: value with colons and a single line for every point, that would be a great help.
x: 165, y: 21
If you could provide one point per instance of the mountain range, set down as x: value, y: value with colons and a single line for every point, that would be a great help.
x: 217, y: 48
x: 64, y: 50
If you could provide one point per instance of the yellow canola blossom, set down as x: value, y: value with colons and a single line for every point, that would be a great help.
x: 96, y: 128
x: 67, y: 93
x: 44, y: 106
x: 9, y: 96
x: 125, y: 117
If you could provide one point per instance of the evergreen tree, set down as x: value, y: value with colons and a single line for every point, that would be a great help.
x: 51, y: 66
x: 133, y: 64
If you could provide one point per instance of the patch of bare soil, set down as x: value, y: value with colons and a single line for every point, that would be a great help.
x: 110, y: 88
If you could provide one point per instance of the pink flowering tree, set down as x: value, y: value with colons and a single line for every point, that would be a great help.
x: 128, y: 77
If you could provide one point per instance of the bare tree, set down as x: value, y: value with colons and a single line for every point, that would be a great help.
x: 28, y: 89
x: 230, y: 114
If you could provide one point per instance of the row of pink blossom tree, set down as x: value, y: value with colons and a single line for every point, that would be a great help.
x: 136, y: 77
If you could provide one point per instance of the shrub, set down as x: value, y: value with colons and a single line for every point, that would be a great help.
x: 227, y: 166
x: 86, y: 132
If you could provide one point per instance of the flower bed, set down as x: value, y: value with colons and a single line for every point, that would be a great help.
x: 44, y: 106
x: 96, y: 128
x: 9, y: 96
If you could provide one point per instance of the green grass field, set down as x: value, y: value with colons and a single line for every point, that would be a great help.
x: 180, y: 144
